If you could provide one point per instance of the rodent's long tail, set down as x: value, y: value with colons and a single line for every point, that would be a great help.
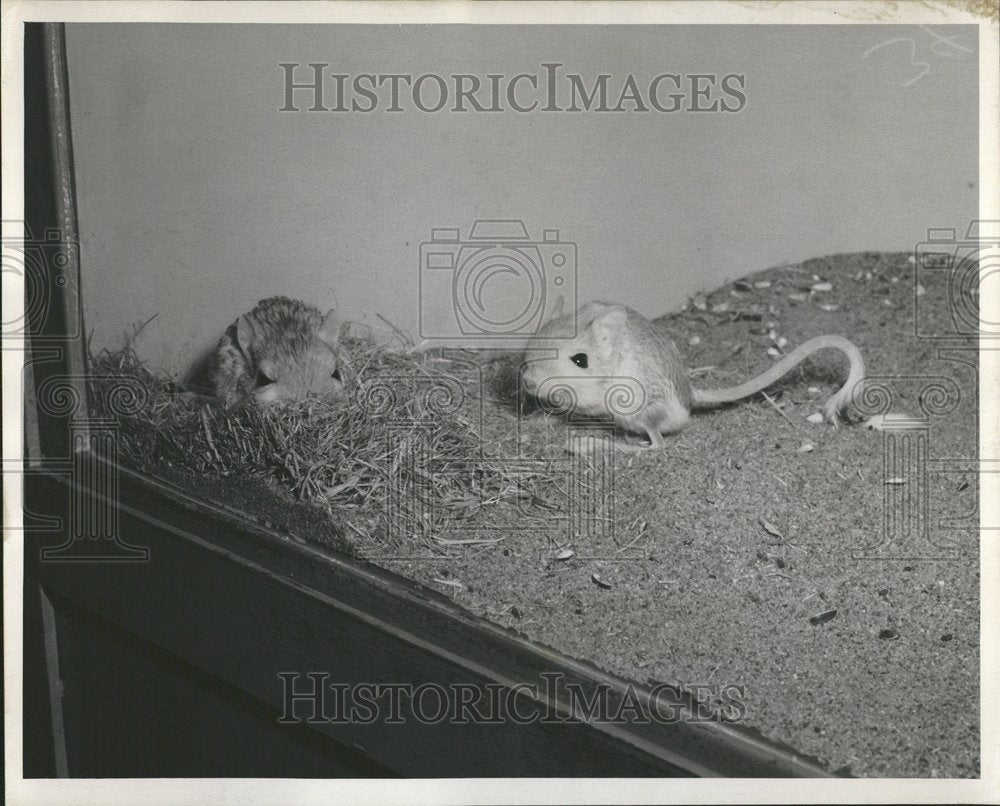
x: 703, y: 398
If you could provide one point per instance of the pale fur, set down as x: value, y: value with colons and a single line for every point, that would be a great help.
x: 281, y: 350
x: 625, y: 349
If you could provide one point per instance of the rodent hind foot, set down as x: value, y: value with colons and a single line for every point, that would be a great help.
x: 837, y: 410
x: 591, y: 444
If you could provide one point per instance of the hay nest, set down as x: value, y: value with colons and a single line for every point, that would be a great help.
x: 408, y: 456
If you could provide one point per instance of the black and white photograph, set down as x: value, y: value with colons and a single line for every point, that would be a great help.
x: 500, y: 402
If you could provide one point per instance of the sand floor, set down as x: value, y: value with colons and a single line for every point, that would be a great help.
x: 759, y: 549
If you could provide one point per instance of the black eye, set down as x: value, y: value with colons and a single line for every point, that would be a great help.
x: 580, y: 359
x: 335, y: 374
x: 262, y: 380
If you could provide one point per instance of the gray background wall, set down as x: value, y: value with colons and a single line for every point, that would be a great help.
x: 197, y: 197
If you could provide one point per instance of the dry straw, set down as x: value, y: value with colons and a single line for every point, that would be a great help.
x: 409, y: 457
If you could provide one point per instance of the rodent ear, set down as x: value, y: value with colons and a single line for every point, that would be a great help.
x: 556, y: 311
x: 329, y: 332
x: 246, y: 335
x: 606, y: 328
